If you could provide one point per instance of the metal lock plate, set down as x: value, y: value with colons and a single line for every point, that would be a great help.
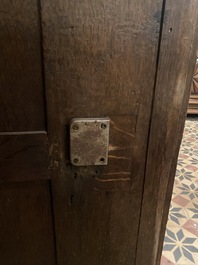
x: 89, y: 141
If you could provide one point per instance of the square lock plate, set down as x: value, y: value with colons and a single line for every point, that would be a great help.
x: 89, y: 141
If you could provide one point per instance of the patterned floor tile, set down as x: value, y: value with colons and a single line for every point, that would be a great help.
x: 191, y: 190
x: 177, y: 215
x: 165, y: 261
x: 184, y: 173
x: 180, y: 200
x: 191, y: 226
x: 192, y: 210
x: 180, y: 246
x: 193, y: 161
x: 181, y: 239
x: 192, y: 168
x: 190, y: 151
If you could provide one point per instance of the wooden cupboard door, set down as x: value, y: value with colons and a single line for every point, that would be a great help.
x: 26, y: 226
x: 100, y: 60
x: 90, y: 59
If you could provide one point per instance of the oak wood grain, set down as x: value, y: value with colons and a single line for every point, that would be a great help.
x: 21, y: 85
x: 26, y: 229
x: 23, y: 156
x: 100, y: 59
x: 176, y: 64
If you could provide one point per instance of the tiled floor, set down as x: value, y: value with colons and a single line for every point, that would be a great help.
x: 181, y: 239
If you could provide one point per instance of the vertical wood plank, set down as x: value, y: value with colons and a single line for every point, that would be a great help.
x: 23, y: 156
x: 21, y: 86
x: 176, y: 64
x: 100, y: 58
x: 26, y: 221
x: 26, y: 230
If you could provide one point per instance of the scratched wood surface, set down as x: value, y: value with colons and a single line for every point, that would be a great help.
x: 100, y: 59
x: 177, y: 56
x: 21, y: 90
x: 23, y: 156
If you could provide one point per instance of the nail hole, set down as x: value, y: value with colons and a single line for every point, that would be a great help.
x: 102, y: 159
x: 171, y: 29
x: 75, y: 175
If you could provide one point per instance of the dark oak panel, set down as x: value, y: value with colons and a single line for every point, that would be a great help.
x: 26, y: 231
x: 100, y: 59
x: 176, y: 64
x: 21, y: 91
x: 23, y: 156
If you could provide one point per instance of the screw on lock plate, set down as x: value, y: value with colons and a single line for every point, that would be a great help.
x: 89, y: 141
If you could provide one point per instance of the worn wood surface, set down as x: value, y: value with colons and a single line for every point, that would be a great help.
x: 21, y: 91
x: 26, y: 222
x: 176, y: 62
x: 26, y: 229
x: 23, y: 156
x: 100, y: 59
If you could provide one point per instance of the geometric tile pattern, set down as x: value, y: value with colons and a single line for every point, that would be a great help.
x: 181, y: 238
